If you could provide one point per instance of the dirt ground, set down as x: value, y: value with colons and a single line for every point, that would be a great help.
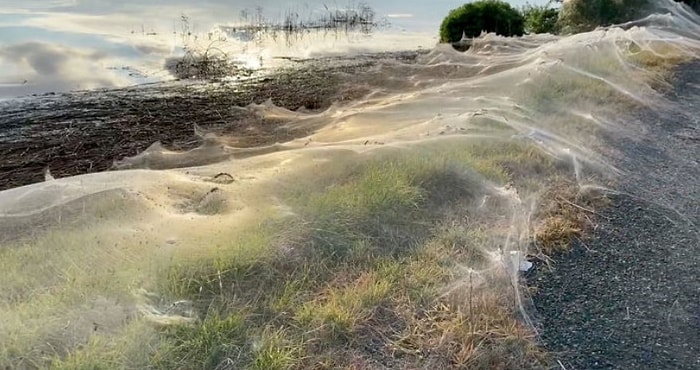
x: 83, y: 132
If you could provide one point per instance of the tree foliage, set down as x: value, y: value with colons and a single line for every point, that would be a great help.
x: 572, y: 16
x: 540, y: 19
x: 586, y: 15
x: 483, y: 15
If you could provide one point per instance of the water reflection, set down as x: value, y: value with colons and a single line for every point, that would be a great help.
x: 62, y: 45
x: 224, y: 51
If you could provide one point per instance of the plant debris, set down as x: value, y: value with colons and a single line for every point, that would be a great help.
x: 84, y: 132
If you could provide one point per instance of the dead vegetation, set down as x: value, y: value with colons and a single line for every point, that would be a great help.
x: 254, y: 25
x: 210, y: 64
x: 85, y: 132
x: 568, y: 213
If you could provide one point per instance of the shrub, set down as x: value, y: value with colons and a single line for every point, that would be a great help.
x: 586, y: 15
x: 540, y: 19
x: 484, y: 15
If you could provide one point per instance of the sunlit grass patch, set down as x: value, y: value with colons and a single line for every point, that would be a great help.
x: 91, y: 356
x: 128, y: 347
x: 357, y: 270
x: 601, y: 76
x: 656, y: 57
x: 367, y: 264
x: 338, y: 311
x: 57, y: 293
x: 204, y: 276
x: 277, y: 350
x: 379, y: 206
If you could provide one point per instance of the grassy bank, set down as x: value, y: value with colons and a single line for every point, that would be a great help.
x: 396, y: 263
x: 392, y: 257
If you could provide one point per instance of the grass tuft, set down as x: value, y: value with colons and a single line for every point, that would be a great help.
x: 566, y: 214
x: 389, y: 265
x: 356, y: 277
x: 207, y: 343
x: 276, y: 351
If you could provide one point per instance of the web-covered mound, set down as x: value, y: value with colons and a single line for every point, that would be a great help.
x: 460, y: 143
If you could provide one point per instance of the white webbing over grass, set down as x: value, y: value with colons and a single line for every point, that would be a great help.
x: 81, y: 257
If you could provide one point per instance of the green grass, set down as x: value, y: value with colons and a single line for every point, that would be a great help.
x: 203, y: 345
x: 365, y: 267
x: 47, y: 311
x: 606, y: 78
x: 381, y: 259
x: 378, y: 259
x: 362, y: 260
x: 126, y: 348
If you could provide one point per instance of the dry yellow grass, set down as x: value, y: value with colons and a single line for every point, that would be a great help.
x: 565, y: 215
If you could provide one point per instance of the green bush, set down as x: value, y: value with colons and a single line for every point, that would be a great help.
x: 484, y: 15
x: 540, y: 19
x: 586, y: 15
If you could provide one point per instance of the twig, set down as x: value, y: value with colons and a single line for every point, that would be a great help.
x: 586, y: 245
x: 582, y: 208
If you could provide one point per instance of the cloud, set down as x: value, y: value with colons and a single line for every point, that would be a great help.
x: 48, y: 59
x: 28, y: 5
x: 44, y: 59
x: 41, y: 67
x: 149, y: 47
x: 111, y: 30
x: 80, y: 23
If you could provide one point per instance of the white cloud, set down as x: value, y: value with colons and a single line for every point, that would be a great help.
x: 40, y: 67
x: 81, y: 23
x: 117, y: 28
x: 28, y: 5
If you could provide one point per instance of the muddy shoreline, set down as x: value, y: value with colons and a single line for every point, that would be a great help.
x: 84, y: 132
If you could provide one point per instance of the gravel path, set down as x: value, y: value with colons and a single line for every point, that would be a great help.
x: 630, y: 299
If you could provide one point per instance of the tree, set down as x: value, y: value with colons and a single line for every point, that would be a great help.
x: 585, y: 15
x: 540, y: 19
x: 484, y: 15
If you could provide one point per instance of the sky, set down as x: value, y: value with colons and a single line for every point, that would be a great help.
x: 63, y: 45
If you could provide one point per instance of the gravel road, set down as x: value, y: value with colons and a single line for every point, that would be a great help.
x: 630, y: 298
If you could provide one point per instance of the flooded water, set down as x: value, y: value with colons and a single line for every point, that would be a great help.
x: 53, y: 46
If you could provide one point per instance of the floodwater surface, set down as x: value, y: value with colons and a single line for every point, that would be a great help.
x: 54, y: 46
